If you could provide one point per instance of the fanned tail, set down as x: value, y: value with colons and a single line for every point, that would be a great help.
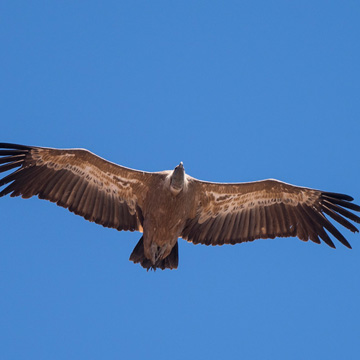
x: 170, y: 262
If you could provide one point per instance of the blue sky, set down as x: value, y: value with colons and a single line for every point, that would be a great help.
x: 238, y: 91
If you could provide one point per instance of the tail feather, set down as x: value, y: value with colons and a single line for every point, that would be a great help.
x: 170, y: 262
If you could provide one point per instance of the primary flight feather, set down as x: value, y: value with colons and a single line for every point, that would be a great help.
x: 167, y: 205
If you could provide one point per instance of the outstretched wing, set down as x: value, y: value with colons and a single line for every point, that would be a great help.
x: 76, y: 179
x: 235, y: 213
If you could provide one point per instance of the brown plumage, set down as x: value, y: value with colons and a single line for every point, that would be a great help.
x: 170, y: 204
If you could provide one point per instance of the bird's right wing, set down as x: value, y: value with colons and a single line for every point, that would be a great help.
x: 89, y: 186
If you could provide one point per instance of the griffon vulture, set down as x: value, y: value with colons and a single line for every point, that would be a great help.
x: 167, y: 205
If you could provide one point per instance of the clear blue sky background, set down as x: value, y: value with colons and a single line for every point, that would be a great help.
x: 238, y: 91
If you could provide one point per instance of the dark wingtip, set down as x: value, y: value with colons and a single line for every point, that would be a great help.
x: 345, y: 201
x: 14, y: 146
x: 337, y: 196
x: 329, y: 242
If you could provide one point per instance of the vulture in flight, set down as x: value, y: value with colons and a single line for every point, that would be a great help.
x: 167, y: 205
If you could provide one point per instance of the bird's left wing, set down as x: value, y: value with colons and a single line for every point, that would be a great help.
x: 235, y: 213
x: 100, y: 191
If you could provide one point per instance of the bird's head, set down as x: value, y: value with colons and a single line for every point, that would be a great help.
x: 177, y: 179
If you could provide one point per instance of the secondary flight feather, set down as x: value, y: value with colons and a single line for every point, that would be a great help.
x: 168, y: 205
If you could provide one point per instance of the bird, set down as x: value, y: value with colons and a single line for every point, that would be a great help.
x: 167, y: 205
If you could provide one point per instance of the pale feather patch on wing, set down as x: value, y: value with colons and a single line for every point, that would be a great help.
x: 222, y: 204
x: 107, y: 182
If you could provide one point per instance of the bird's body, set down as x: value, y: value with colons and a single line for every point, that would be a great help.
x: 168, y: 205
x: 165, y: 213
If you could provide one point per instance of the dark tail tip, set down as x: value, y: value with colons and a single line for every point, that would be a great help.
x: 170, y: 262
